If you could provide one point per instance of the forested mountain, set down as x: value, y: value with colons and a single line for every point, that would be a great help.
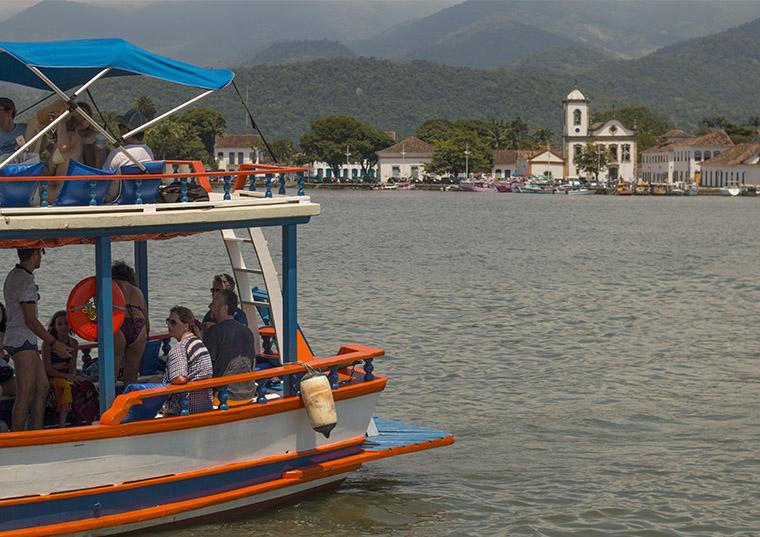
x: 301, y: 51
x: 221, y: 32
x: 631, y: 28
x: 717, y: 75
x: 566, y: 60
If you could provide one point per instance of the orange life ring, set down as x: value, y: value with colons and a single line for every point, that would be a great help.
x: 82, y: 313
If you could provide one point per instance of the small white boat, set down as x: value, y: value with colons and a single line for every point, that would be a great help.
x: 693, y: 190
x: 579, y: 192
x: 730, y: 191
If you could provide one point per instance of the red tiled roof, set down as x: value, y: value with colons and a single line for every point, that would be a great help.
x: 236, y: 140
x: 411, y: 145
x: 734, y: 156
x: 511, y: 156
x: 712, y: 138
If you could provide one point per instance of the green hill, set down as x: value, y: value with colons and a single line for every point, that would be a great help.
x: 301, y: 51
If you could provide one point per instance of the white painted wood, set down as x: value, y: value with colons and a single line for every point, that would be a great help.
x: 271, y: 281
x: 59, y: 467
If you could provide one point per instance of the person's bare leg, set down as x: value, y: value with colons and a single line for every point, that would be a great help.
x: 133, y: 357
x: 23, y: 364
x: 119, y: 346
x: 41, y: 389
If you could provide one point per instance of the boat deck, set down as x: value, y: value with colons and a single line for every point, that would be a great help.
x: 244, y: 209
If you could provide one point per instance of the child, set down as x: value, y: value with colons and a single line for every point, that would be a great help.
x: 62, y: 371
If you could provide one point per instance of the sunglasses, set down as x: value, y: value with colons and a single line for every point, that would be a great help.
x: 171, y: 322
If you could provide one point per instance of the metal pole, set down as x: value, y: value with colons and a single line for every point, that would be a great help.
x: 165, y: 114
x: 141, y: 267
x: 289, y: 297
x: 104, y: 304
x: 36, y: 137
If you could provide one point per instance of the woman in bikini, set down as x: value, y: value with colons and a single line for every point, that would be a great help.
x: 130, y: 340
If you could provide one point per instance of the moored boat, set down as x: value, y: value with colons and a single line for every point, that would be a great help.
x: 137, y: 467
x: 730, y: 191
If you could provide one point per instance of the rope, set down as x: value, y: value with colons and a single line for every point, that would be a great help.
x: 35, y: 104
x: 104, y: 123
x: 253, y: 123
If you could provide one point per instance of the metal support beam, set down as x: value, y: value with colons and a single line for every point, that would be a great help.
x: 104, y: 304
x: 141, y: 267
x: 289, y: 298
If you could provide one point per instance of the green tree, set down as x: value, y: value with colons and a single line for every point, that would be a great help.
x: 208, y: 123
x: 173, y: 139
x: 518, y: 134
x: 541, y: 138
x: 330, y: 137
x: 436, y: 130
x: 593, y: 159
x: 449, y: 156
x: 145, y: 106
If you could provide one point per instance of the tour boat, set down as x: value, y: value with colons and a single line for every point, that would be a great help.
x: 730, y: 191
x: 477, y: 186
x: 135, y: 469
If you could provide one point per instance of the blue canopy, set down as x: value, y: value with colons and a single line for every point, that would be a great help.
x: 72, y: 63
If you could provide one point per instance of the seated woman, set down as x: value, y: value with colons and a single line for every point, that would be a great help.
x: 130, y: 340
x: 75, y: 139
x: 187, y: 361
x: 222, y: 281
x: 61, y: 370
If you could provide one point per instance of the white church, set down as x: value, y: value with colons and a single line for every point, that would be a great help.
x: 577, y: 133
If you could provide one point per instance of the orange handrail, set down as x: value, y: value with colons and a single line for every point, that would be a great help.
x: 144, y: 176
x: 347, y: 355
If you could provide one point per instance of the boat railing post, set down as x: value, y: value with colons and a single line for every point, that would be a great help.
x: 368, y: 369
x: 300, y: 184
x: 261, y: 391
x: 289, y: 353
x: 184, y: 404
x: 183, y: 189
x: 282, y: 185
x: 138, y: 192
x: 252, y: 183
x: 104, y: 305
x: 92, y: 193
x: 227, y: 187
x: 333, y: 377
x: 269, y: 186
x: 224, y: 396
x: 44, y: 194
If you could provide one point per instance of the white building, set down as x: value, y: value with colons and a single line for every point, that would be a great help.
x: 619, y: 141
x: 678, y: 156
x: 234, y: 149
x: 739, y: 165
x: 404, y: 160
x: 545, y: 162
x: 348, y: 172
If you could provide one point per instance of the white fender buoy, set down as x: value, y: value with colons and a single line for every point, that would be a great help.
x: 319, y: 403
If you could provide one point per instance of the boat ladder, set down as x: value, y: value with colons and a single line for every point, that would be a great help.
x: 265, y: 270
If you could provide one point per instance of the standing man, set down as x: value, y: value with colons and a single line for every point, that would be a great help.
x: 230, y: 345
x: 22, y: 330
x: 9, y: 129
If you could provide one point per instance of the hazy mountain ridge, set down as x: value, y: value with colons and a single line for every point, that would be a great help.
x: 301, y: 51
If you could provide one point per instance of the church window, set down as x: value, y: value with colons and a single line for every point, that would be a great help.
x: 698, y: 156
x: 576, y: 117
x: 578, y: 148
x: 626, y: 153
x: 613, y: 152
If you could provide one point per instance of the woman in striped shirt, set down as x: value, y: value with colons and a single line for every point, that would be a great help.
x: 188, y: 360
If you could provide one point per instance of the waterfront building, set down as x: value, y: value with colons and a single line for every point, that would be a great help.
x: 232, y: 150
x: 404, y: 160
x: 619, y: 140
x: 348, y: 172
x: 543, y: 162
x: 678, y: 156
x: 738, y: 165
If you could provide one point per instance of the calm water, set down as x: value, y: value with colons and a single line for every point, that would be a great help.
x: 595, y: 357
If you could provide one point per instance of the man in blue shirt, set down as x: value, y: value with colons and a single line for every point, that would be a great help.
x: 9, y: 129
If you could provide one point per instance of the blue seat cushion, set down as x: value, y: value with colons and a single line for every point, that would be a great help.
x: 19, y: 193
x: 151, y: 361
x: 149, y: 408
x: 148, y: 187
x: 77, y: 193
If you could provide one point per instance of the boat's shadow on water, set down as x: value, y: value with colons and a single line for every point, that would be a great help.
x: 361, y: 505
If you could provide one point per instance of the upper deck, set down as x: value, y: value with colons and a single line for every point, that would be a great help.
x: 243, y: 209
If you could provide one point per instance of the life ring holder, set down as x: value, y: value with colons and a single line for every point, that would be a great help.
x: 82, y: 313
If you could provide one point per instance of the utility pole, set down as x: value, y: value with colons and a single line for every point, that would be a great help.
x: 347, y: 153
x: 467, y: 161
